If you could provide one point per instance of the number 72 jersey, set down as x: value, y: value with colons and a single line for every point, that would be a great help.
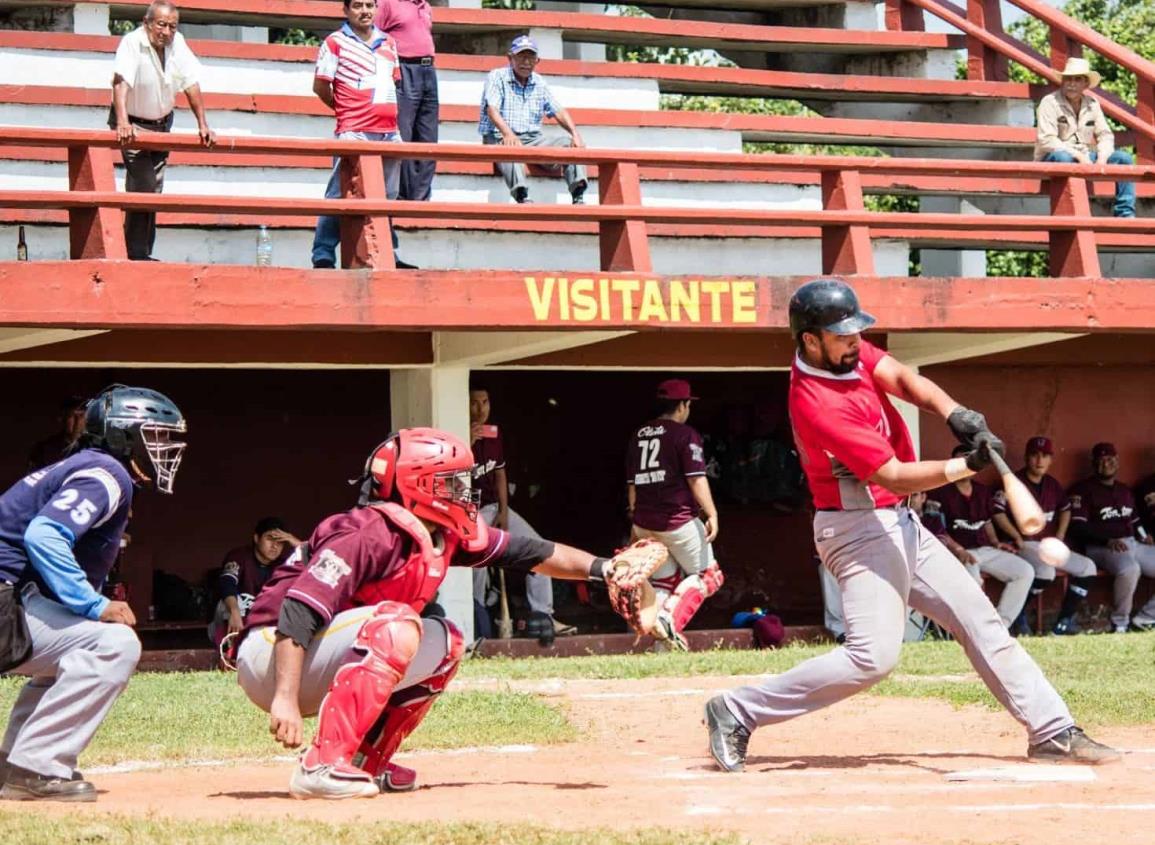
x: 662, y: 454
x: 89, y: 493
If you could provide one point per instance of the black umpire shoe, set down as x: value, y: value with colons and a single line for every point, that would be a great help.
x: 728, y: 737
x: 1073, y: 746
x: 25, y: 785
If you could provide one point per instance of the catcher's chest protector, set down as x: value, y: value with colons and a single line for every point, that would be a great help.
x: 417, y: 580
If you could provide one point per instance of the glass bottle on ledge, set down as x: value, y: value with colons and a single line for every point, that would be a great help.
x: 264, y: 247
x: 21, y: 246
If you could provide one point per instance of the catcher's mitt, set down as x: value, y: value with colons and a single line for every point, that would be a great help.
x: 628, y: 580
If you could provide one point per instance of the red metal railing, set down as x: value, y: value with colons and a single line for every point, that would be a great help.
x: 94, y: 206
x: 989, y: 48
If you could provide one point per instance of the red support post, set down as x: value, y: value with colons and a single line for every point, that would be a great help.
x: 1063, y: 47
x: 846, y: 249
x: 94, y: 232
x: 1073, y: 253
x: 984, y: 63
x: 624, y: 243
x: 1145, y: 111
x: 366, y: 242
x: 904, y: 17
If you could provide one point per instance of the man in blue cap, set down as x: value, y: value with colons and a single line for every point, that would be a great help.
x: 515, y: 102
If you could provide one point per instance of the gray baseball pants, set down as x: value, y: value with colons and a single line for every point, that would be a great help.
x: 538, y: 588
x: 331, y: 649
x: 883, y: 560
x: 1126, y: 566
x: 1015, y: 573
x: 1076, y: 565
x: 77, y: 670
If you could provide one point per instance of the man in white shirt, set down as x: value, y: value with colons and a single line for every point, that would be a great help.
x: 153, y: 64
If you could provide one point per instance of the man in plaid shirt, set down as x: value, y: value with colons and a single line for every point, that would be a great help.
x: 515, y: 101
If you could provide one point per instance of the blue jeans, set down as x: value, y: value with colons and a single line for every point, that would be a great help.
x: 1124, y: 191
x: 328, y: 234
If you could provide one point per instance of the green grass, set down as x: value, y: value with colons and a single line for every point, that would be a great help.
x: 206, y: 716
x: 35, y: 829
x: 1106, y: 680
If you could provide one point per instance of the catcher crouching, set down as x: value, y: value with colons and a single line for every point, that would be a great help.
x: 337, y: 632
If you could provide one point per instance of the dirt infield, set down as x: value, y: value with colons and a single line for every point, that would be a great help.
x: 872, y: 770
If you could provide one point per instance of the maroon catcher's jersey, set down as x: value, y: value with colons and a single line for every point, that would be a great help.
x: 358, y: 558
x: 1050, y: 495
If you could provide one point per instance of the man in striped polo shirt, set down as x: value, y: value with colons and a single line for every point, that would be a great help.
x: 357, y: 72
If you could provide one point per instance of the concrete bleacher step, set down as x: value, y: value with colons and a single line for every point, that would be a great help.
x: 36, y: 58
x: 323, y: 15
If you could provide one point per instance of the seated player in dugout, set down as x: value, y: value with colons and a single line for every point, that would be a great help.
x: 244, y: 572
x: 337, y: 632
x: 669, y: 500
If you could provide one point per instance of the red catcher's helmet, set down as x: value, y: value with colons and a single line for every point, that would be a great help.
x: 430, y: 473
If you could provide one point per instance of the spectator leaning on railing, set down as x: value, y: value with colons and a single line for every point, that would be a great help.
x: 1072, y: 128
x: 153, y: 64
x: 516, y: 99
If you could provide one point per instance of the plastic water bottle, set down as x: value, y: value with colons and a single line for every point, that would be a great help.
x: 264, y: 247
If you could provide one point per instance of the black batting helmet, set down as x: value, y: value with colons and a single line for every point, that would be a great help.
x: 828, y: 304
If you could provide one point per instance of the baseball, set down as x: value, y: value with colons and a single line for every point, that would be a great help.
x: 1053, y: 551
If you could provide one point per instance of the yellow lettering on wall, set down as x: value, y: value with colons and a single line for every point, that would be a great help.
x: 563, y: 298
x: 715, y: 290
x: 742, y: 296
x: 581, y: 294
x: 627, y: 288
x: 540, y: 298
x: 653, y: 308
x: 604, y: 299
x: 684, y: 301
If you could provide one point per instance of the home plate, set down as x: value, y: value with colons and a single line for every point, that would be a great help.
x: 1028, y: 773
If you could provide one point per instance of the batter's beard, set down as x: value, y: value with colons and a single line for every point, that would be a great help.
x: 844, y: 365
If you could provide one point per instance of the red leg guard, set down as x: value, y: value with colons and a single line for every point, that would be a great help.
x: 361, y: 691
x: 408, y: 707
x: 691, y: 591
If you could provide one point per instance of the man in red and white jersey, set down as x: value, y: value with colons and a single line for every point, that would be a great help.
x: 861, y: 464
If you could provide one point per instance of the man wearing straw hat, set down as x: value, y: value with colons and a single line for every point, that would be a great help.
x: 1072, y: 128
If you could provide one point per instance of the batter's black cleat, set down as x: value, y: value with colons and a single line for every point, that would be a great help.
x: 1073, y: 746
x: 25, y: 785
x: 728, y: 736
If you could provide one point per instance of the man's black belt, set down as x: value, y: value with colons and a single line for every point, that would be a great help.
x: 161, y: 124
x: 416, y: 60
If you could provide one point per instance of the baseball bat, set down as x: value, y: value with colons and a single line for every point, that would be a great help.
x: 504, y: 622
x: 1024, y: 508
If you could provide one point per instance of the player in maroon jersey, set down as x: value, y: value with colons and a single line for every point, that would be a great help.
x: 337, y: 631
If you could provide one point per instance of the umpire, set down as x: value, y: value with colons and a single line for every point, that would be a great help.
x: 60, y: 532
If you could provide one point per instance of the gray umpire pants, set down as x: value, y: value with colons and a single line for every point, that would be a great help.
x: 883, y: 560
x: 1136, y: 560
x: 513, y: 172
x: 77, y: 670
x: 331, y: 648
x: 538, y: 588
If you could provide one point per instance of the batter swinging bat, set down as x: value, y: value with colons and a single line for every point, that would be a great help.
x: 1024, y: 508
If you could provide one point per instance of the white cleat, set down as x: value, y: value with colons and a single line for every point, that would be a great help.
x: 331, y: 782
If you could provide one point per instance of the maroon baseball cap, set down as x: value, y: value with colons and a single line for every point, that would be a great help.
x: 675, y: 388
x: 1103, y: 450
x: 768, y: 631
x: 1040, y: 444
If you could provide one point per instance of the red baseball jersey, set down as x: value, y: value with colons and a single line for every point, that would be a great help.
x: 351, y: 552
x: 1102, y: 511
x: 661, y: 456
x: 845, y: 428
x: 964, y: 516
x: 1050, y: 495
